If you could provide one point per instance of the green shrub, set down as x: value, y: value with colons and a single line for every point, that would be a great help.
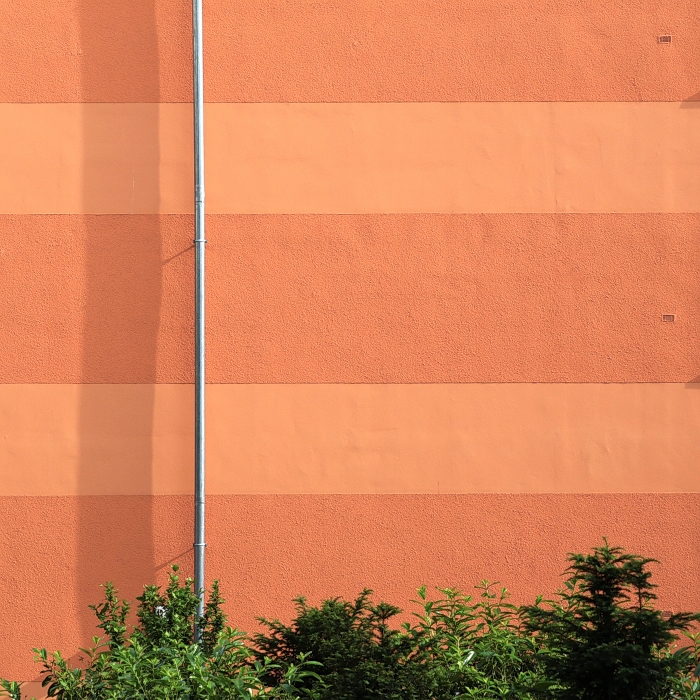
x: 158, y: 659
x: 686, y: 685
x: 457, y: 649
x: 361, y: 656
x: 477, y: 649
x: 602, y: 639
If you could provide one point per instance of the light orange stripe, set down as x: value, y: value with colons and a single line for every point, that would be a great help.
x: 296, y: 299
x: 95, y: 158
x: 353, y: 158
x: 356, y: 50
x: 57, y: 551
x: 286, y: 439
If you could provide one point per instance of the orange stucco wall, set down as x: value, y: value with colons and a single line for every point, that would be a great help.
x: 354, y: 51
x: 384, y: 298
x: 442, y: 240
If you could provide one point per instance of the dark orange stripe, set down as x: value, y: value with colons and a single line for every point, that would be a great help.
x: 268, y: 549
x: 357, y: 50
x: 394, y: 298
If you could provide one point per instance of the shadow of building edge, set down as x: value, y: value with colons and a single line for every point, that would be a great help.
x: 692, y: 102
x: 123, y: 288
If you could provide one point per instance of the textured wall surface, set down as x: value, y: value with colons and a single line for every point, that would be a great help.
x: 383, y: 298
x: 443, y: 236
x: 351, y: 51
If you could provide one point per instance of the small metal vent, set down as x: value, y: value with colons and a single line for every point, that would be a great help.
x: 665, y: 39
x: 668, y: 318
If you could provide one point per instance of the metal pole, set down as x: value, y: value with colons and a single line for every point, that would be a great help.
x: 199, y: 368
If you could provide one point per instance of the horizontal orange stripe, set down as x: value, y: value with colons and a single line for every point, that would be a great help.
x: 453, y: 158
x: 429, y: 438
x: 64, y: 158
x: 357, y: 50
x: 359, y: 158
x: 267, y: 550
x: 492, y: 298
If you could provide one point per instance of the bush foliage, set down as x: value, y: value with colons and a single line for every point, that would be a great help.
x: 602, y: 638
x: 158, y: 660
x: 599, y: 638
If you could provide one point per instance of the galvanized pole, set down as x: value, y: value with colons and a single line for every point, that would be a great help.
x: 199, y: 367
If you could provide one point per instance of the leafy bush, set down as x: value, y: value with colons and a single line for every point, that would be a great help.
x: 457, y: 649
x: 158, y: 660
x: 686, y: 685
x: 478, y: 649
x: 602, y: 639
x: 360, y: 655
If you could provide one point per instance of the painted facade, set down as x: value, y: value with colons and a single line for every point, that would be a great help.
x: 443, y: 237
